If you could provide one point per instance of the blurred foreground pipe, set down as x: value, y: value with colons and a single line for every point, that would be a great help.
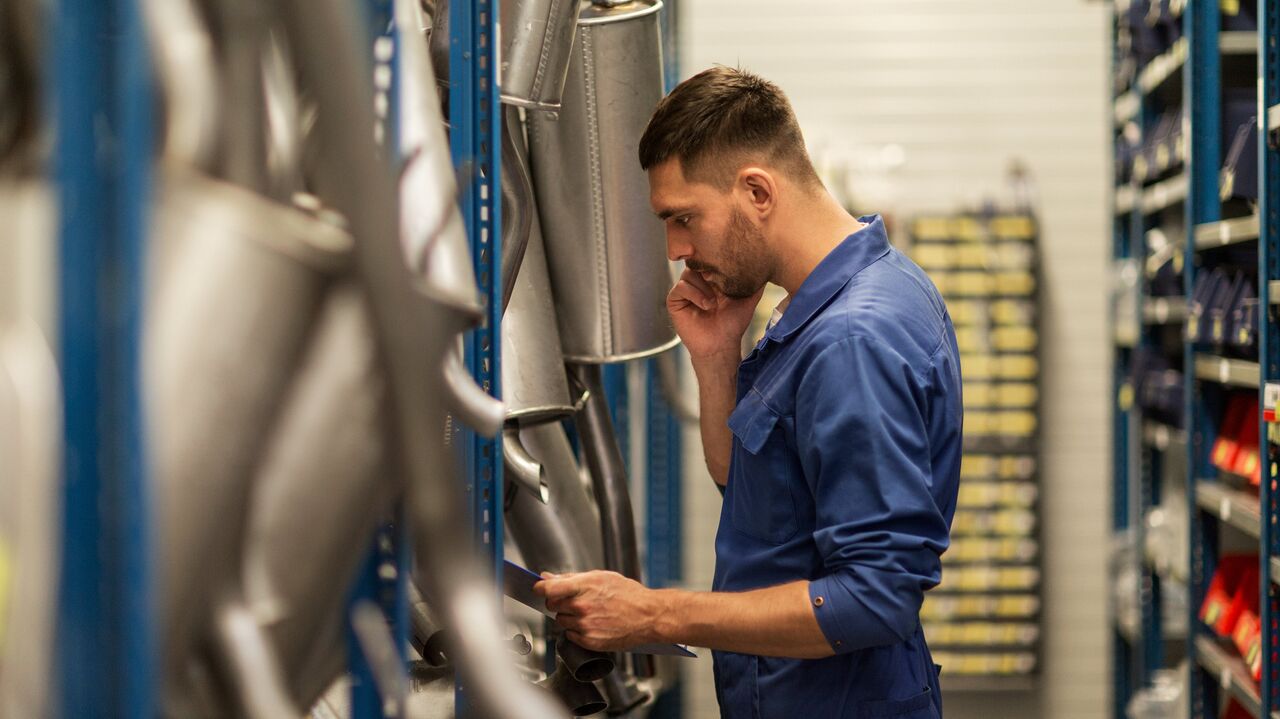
x: 30, y: 429
x: 322, y: 479
x: 236, y: 275
x: 249, y: 662
x: 413, y: 337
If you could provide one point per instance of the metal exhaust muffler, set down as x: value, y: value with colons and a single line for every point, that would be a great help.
x: 605, y: 248
x: 235, y: 274
x: 534, y: 385
x: 322, y: 479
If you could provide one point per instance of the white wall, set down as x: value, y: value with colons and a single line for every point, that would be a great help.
x: 963, y: 86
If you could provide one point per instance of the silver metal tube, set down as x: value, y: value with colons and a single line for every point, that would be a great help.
x: 476, y: 408
x: 188, y: 79
x: 518, y: 208
x: 612, y: 490
x: 584, y: 664
x: 250, y: 664
x: 523, y: 469
x: 581, y: 697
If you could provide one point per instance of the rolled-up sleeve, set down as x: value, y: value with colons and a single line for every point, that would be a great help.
x: 862, y: 435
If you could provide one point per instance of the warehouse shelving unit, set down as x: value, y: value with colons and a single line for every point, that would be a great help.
x: 1217, y: 230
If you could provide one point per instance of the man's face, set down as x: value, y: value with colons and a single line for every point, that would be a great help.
x: 711, y: 231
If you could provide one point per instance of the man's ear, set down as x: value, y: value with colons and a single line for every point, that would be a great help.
x: 760, y: 189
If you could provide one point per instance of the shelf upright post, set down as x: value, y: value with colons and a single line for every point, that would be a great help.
x: 1202, y: 91
x: 1269, y: 338
x: 475, y: 121
x: 101, y: 101
x: 1124, y: 653
x: 384, y: 577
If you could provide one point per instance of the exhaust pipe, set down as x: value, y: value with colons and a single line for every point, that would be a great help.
x: 523, y: 469
x: 609, y: 479
x: 582, y: 698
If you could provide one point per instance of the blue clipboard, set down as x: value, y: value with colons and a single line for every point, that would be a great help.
x: 517, y: 583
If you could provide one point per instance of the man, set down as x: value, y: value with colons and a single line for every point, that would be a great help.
x: 836, y: 442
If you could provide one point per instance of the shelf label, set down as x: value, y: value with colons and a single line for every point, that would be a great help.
x: 1224, y: 509
x: 1162, y: 310
x: 1224, y: 233
x: 1224, y: 371
x: 1270, y: 398
x: 1225, y: 678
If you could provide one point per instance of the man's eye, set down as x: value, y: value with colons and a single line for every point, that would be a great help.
x: 683, y: 220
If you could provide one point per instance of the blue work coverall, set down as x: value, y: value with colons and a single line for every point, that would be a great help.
x: 844, y: 472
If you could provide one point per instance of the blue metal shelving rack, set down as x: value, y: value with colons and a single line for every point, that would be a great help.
x: 1269, y: 337
x: 101, y: 101
x: 1215, y: 510
x: 475, y: 119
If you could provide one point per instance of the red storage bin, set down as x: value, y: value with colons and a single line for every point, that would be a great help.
x: 1233, y: 583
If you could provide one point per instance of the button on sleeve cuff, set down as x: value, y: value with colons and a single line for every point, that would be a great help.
x: 825, y: 599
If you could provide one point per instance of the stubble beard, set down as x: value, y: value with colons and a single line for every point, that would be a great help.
x: 747, y: 259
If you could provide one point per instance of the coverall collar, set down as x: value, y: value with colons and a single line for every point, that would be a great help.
x: 835, y: 270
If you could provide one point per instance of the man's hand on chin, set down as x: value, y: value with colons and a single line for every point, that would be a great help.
x: 604, y: 611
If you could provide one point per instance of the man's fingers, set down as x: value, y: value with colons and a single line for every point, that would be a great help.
x: 685, y: 291
x: 557, y: 587
x: 569, y: 621
x: 564, y: 605
x: 695, y: 279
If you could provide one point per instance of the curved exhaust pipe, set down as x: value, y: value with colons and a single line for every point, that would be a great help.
x: 517, y: 201
x: 582, y: 698
x: 472, y: 405
x: 522, y: 468
x: 612, y: 490
x: 608, y: 474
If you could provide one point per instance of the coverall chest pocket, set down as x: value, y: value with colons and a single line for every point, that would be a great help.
x: 761, y: 503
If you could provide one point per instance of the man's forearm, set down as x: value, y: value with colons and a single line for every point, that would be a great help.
x: 775, y: 621
x: 717, y: 390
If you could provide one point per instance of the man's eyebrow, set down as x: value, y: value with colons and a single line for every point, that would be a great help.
x: 671, y: 211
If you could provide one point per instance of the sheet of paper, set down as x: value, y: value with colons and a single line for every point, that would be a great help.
x: 517, y: 583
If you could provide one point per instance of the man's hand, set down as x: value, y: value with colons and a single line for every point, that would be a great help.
x: 709, y: 323
x: 602, y: 611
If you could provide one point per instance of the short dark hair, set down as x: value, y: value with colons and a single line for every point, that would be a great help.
x: 720, y: 118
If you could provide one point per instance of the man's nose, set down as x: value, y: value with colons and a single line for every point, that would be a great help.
x: 678, y: 250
